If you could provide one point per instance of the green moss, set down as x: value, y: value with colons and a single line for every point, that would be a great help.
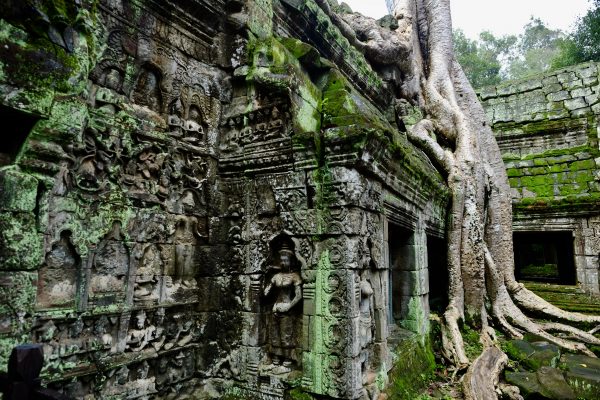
x: 553, y: 154
x: 582, y: 165
x: 298, y: 394
x: 413, y: 370
x: 275, y: 67
x: 21, y: 244
x: 473, y: 346
x: 513, y: 172
x: 18, y: 191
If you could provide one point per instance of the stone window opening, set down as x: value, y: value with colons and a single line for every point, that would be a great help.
x: 14, y: 137
x: 545, y: 257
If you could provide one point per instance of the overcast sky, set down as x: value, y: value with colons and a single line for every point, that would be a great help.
x: 500, y: 17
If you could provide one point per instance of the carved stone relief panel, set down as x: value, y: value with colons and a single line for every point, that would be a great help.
x: 283, y: 307
x: 109, y: 270
x: 59, y: 276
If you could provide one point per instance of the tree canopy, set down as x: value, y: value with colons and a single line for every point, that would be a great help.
x: 583, y: 44
x: 491, y: 59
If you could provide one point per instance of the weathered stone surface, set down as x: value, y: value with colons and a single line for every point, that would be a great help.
x: 549, y: 151
x: 583, y: 374
x: 526, y: 381
x: 533, y: 355
x: 553, y: 384
x: 201, y: 209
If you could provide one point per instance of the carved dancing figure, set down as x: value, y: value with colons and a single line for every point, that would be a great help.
x: 186, y: 237
x: 365, y: 322
x: 282, y: 333
x: 139, y: 338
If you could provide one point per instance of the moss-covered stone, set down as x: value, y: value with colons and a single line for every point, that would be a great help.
x: 18, y: 191
x: 413, y: 368
x: 20, y: 243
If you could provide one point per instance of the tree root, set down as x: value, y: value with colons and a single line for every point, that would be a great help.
x: 535, y: 304
x: 580, y: 335
x: 480, y: 252
x: 482, y: 377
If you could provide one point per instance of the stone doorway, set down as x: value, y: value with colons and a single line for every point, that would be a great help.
x: 401, y: 262
x: 437, y: 266
x: 545, y: 257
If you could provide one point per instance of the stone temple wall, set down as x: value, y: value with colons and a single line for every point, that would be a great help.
x: 202, y: 199
x: 547, y: 129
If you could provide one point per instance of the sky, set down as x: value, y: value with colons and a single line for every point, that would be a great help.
x: 500, y: 17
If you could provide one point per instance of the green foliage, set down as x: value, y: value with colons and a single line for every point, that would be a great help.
x: 583, y: 44
x: 490, y: 60
x: 480, y: 59
x: 536, y: 48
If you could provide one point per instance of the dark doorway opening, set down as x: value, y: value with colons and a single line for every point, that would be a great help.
x: 402, y: 260
x: 15, y: 132
x: 545, y: 257
x: 437, y: 263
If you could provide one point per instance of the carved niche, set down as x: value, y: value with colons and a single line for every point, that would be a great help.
x: 186, y: 120
x: 107, y: 282
x: 58, y: 277
x: 147, y: 91
x: 283, y: 304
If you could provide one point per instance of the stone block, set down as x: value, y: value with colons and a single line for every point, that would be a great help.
x: 17, y: 292
x: 381, y: 325
x: 308, y: 333
x: 414, y: 313
x: 342, y: 377
x: 587, y: 71
x: 527, y: 382
x: 552, y: 88
x: 341, y: 294
x: 18, y: 191
x: 549, y: 80
x: 581, y: 92
x: 583, y: 374
x: 529, y: 85
x: 21, y: 246
x: 413, y: 283
x: 254, y: 329
x: 253, y: 289
x: 533, y: 355
x: 554, y: 385
x: 575, y: 84
x: 220, y: 293
x: 559, y: 96
x: 567, y: 76
x: 590, y: 81
x: 581, y: 112
x: 219, y: 259
x: 342, y: 336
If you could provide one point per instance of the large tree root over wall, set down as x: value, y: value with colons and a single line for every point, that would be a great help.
x: 482, y: 289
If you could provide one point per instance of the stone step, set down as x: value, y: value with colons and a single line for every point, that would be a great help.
x: 566, y: 297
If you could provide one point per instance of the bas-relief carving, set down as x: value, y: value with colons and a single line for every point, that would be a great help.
x: 148, y: 275
x: 147, y: 91
x: 265, y: 126
x: 366, y: 318
x: 58, y: 277
x: 164, y: 170
x: 109, y: 271
x: 284, y: 283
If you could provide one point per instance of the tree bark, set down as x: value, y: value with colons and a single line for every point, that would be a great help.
x: 482, y: 286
